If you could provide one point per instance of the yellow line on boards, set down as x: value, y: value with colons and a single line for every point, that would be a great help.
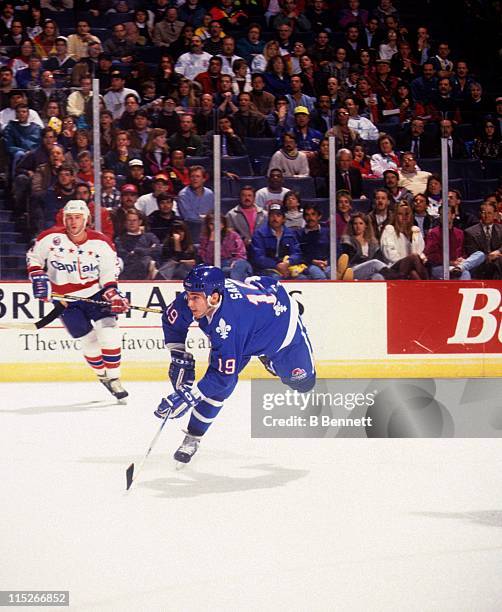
x: 157, y: 371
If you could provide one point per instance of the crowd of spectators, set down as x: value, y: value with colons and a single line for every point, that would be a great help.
x: 275, y: 78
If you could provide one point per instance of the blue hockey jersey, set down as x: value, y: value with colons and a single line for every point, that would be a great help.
x: 247, y: 322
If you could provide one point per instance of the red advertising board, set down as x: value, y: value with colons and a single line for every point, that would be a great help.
x: 444, y: 317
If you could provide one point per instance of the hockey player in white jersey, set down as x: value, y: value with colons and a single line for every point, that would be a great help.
x: 257, y: 317
x: 73, y: 259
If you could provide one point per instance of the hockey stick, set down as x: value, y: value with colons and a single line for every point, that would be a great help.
x: 130, y: 478
x: 76, y: 298
x: 53, y: 314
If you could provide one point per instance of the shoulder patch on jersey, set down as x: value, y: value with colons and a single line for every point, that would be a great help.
x: 55, y: 229
x: 279, y: 308
x: 223, y: 329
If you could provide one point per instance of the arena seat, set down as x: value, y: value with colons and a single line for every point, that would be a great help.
x: 239, y: 165
x: 257, y: 147
x: 493, y: 168
x: 465, y: 131
x: 479, y: 188
x: 369, y: 186
x: 430, y: 164
x: 361, y: 205
x: 457, y: 183
x: 260, y: 164
x: 303, y: 184
x: 227, y: 204
x: 321, y: 186
x: 321, y: 203
x: 200, y: 160
x: 471, y: 206
x: 226, y: 187
x: 466, y: 168
x: 256, y: 182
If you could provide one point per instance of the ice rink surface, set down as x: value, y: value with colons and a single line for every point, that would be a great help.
x: 258, y: 525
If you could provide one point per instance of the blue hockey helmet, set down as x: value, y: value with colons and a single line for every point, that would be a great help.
x: 205, y: 279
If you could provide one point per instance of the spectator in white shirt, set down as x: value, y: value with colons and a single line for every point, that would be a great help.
x: 386, y: 159
x: 148, y: 203
x: 410, y: 176
x: 227, y: 55
x: 193, y: 62
x: 289, y: 159
x: 366, y: 129
x: 115, y: 97
x: 9, y: 114
x: 387, y: 50
x: 274, y: 192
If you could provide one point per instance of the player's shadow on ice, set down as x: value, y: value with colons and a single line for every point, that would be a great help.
x: 489, y: 518
x: 74, y: 407
x: 195, y: 483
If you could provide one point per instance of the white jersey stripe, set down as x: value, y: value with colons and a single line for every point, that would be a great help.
x: 293, y: 321
x: 201, y: 418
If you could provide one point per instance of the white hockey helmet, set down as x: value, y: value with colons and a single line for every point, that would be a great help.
x: 76, y: 207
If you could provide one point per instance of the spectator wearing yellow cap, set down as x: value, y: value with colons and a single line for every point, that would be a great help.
x: 307, y: 138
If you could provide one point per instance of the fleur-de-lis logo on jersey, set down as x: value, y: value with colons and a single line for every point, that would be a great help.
x: 279, y: 309
x: 223, y: 329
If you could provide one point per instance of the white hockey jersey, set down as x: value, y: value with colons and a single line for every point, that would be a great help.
x: 79, y: 269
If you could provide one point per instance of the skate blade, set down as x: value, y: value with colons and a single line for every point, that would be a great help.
x: 179, y: 465
x: 122, y: 401
x: 129, y: 476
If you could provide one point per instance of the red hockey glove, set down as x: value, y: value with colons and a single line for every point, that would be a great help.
x: 118, y: 303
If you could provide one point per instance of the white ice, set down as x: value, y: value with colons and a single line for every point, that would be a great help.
x: 258, y: 525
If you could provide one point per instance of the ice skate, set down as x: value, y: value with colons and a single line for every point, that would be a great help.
x: 267, y: 364
x: 187, y: 449
x: 115, y: 387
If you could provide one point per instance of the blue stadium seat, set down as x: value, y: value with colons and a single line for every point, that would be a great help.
x: 321, y: 203
x: 256, y: 182
x: 307, y: 38
x: 227, y: 190
x: 493, y: 168
x: 369, y: 186
x: 200, y: 160
x: 260, y: 164
x: 257, y: 147
x: 321, y: 186
x: 430, y: 164
x: 102, y: 33
x: 227, y: 204
x: 471, y: 206
x: 64, y: 19
x: 465, y: 131
x: 116, y: 18
x: 66, y: 30
x: 479, y: 188
x: 392, y: 129
x: 303, y: 184
x: 466, y: 168
x: 363, y: 206
x: 150, y: 55
x: 239, y: 165
x: 431, y: 129
x: 95, y: 21
x: 457, y: 183
x: 370, y: 146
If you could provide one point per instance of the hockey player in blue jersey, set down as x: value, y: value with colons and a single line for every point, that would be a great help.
x: 257, y: 317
